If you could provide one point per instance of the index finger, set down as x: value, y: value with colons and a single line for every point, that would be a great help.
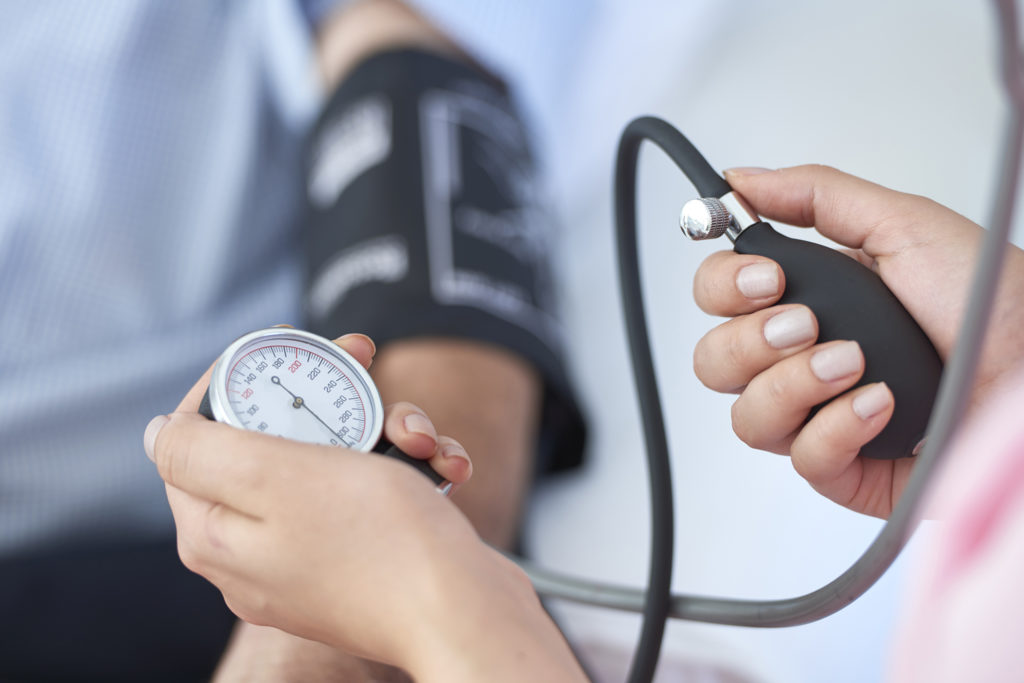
x: 850, y: 210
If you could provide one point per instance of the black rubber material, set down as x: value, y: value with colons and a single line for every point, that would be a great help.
x: 384, y: 447
x: 679, y: 148
x: 204, y: 406
x: 659, y: 469
x: 850, y: 301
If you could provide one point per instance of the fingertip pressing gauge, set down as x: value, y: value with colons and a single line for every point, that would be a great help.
x: 301, y: 386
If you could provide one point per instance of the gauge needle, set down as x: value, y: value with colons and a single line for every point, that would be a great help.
x: 298, y: 402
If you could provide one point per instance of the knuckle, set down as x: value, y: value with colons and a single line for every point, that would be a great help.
x: 188, y: 555
x: 251, y: 609
x: 721, y: 359
x: 776, y: 389
x: 737, y: 353
x: 741, y: 424
x: 711, y: 289
x: 814, y: 439
x: 801, y: 463
x: 178, y: 454
x: 215, y: 525
x: 166, y: 453
x: 749, y: 422
x: 782, y: 446
x: 820, y: 431
x: 178, y: 460
x: 703, y: 293
x: 259, y: 603
x: 704, y: 362
x: 237, y: 608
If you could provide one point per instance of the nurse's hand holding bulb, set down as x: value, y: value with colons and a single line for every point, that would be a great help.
x: 767, y: 354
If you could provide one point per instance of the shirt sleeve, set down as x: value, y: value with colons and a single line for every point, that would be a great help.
x: 286, y: 31
x: 965, y: 615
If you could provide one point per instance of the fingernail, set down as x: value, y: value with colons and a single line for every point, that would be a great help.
x: 758, y: 280
x: 369, y: 342
x: 746, y: 170
x: 453, y: 450
x: 358, y: 337
x: 290, y: 327
x: 373, y: 347
x: 789, y: 328
x: 872, y: 401
x: 149, y: 436
x: 419, y: 424
x: 837, y: 361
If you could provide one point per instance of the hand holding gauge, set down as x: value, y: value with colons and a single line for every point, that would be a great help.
x: 319, y: 540
x: 301, y: 386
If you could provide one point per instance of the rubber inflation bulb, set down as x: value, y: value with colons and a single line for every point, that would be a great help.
x: 851, y: 302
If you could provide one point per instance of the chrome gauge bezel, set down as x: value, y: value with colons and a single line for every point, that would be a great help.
x: 220, y: 404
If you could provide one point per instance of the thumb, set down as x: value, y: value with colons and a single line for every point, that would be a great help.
x: 851, y: 211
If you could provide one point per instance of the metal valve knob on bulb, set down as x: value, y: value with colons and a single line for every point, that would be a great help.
x: 704, y: 218
x: 709, y: 218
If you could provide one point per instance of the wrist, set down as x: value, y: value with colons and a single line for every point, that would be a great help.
x: 488, y: 624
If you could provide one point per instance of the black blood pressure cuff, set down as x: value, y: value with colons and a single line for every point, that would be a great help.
x: 425, y: 221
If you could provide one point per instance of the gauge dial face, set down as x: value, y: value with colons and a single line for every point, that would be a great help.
x: 297, y: 385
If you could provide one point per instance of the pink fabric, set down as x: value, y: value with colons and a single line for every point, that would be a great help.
x: 965, y: 617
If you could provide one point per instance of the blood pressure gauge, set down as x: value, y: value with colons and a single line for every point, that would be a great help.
x: 300, y: 386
